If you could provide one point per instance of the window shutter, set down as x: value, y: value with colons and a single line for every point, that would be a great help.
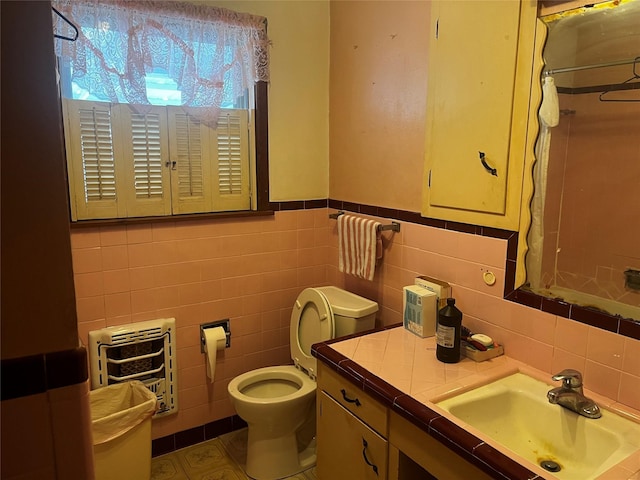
x: 128, y: 164
x: 231, y: 179
x: 146, y: 156
x: 189, y: 146
x: 91, y: 152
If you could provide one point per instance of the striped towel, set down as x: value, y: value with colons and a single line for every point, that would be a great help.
x: 359, y: 245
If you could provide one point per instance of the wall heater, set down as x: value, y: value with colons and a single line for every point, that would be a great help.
x: 142, y: 351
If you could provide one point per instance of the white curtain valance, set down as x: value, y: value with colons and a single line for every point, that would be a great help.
x: 213, y: 54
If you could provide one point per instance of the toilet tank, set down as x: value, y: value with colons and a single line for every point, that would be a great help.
x: 352, y: 313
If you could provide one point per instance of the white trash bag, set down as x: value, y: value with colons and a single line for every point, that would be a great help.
x: 118, y: 408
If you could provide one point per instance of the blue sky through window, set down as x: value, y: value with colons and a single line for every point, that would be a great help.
x: 161, y: 90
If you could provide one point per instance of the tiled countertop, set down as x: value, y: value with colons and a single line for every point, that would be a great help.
x: 401, y: 371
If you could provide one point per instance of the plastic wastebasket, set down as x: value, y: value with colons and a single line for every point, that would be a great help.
x: 121, y: 428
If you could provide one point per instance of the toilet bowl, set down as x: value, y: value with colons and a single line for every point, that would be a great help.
x: 278, y: 403
x: 275, y: 402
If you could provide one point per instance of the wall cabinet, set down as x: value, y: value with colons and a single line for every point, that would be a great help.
x: 478, y: 133
x: 359, y: 438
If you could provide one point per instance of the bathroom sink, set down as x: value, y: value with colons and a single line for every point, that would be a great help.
x: 514, y: 412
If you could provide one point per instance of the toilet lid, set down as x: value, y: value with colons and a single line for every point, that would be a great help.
x: 311, y: 322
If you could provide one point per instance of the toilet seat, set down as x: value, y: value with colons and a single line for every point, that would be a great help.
x: 301, y: 383
x: 311, y: 322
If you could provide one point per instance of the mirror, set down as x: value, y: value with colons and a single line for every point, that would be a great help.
x: 584, y: 240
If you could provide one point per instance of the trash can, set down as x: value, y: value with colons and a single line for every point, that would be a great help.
x: 121, y: 427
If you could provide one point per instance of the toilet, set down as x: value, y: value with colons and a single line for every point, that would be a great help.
x: 278, y: 403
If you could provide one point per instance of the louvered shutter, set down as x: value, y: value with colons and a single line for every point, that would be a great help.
x: 231, y: 167
x: 92, y: 149
x: 189, y: 147
x: 146, y: 153
x: 128, y: 164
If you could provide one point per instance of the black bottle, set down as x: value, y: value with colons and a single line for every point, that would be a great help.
x: 448, y: 333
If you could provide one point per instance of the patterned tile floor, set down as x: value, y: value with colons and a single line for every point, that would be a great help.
x: 222, y: 458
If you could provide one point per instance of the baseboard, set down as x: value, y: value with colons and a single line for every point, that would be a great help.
x: 186, y: 438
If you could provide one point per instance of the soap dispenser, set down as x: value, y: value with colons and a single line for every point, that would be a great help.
x: 448, y: 333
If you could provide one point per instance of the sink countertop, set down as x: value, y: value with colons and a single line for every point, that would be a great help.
x: 400, y: 369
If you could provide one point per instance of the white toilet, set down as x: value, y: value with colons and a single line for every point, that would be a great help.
x: 278, y: 403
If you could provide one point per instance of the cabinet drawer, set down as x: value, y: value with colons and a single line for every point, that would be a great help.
x: 347, y: 448
x: 353, y: 399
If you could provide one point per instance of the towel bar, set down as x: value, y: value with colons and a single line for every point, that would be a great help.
x: 394, y: 226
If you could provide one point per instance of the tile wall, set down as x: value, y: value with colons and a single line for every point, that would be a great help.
x: 251, y: 270
x: 610, y: 362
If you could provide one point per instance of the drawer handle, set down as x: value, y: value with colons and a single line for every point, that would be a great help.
x: 364, y: 454
x: 486, y: 166
x: 347, y: 399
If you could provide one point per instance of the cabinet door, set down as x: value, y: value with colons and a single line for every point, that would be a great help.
x: 478, y: 54
x: 347, y: 448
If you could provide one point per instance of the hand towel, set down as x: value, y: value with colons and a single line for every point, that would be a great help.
x: 359, y: 245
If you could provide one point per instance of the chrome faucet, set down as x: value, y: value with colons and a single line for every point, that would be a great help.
x: 570, y: 394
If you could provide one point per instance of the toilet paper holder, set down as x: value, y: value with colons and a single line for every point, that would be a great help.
x: 218, y: 323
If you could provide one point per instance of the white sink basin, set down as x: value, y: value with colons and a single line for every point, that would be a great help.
x: 514, y: 412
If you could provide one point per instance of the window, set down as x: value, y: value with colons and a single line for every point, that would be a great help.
x: 160, y: 110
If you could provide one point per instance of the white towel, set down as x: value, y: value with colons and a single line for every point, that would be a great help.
x: 359, y: 245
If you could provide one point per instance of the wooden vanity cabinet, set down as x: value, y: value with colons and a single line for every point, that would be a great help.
x: 415, y: 455
x: 478, y: 133
x: 347, y: 447
x: 355, y: 433
x: 351, y: 431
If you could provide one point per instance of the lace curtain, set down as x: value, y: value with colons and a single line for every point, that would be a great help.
x: 212, y: 54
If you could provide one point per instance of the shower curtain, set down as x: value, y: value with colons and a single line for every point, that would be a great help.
x: 548, y: 115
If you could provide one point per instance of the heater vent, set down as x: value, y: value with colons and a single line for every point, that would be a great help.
x: 138, y: 351
x: 129, y: 337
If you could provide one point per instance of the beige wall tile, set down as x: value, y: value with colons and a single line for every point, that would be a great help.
x: 629, y: 390
x: 605, y: 347
x: 85, y: 238
x: 86, y: 260
x: 113, y: 236
x: 572, y: 336
x: 139, y: 233
x: 631, y: 357
x: 116, y: 281
x: 602, y: 379
x: 293, y: 250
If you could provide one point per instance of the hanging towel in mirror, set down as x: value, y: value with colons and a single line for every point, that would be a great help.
x: 359, y: 245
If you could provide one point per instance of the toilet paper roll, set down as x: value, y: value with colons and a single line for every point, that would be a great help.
x: 214, y: 339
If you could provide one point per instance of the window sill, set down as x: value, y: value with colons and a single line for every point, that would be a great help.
x: 170, y: 218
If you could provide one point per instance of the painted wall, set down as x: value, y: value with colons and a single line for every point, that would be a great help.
x: 378, y: 102
x: 298, y: 95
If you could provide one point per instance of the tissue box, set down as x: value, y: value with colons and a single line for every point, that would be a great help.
x: 440, y: 288
x: 420, y: 310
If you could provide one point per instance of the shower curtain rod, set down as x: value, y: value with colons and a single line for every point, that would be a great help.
x: 589, y: 67
x: 600, y: 88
